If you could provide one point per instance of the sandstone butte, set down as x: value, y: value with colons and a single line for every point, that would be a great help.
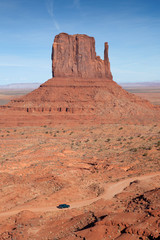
x: 81, y: 90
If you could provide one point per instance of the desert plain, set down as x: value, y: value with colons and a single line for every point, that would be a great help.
x: 111, y: 182
x: 151, y: 94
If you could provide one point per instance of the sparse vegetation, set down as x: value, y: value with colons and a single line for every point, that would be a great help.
x: 85, y: 161
x: 158, y: 144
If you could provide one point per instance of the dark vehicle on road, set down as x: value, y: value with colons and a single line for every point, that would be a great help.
x: 61, y: 206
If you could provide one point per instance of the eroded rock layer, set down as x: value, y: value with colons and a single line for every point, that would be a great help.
x: 68, y: 99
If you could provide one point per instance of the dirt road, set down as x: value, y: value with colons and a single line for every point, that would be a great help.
x: 111, y: 190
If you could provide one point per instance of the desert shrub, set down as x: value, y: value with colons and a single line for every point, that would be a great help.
x: 158, y: 144
x: 131, y: 138
x: 145, y: 154
x: 133, y: 150
x: 94, y: 187
x: 100, y: 150
x: 108, y: 140
x: 148, y: 148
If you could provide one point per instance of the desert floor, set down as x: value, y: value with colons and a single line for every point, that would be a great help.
x: 151, y: 94
x: 7, y: 95
x: 109, y: 175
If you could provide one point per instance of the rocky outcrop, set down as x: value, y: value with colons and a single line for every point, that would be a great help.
x: 82, y: 89
x: 75, y: 56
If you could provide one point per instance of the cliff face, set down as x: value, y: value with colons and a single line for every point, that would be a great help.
x: 75, y: 56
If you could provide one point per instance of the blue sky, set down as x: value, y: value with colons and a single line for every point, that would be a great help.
x: 28, y: 28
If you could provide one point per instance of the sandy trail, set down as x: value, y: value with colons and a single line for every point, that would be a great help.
x: 111, y: 190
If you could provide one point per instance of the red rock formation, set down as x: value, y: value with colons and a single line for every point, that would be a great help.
x: 81, y: 89
x: 75, y: 56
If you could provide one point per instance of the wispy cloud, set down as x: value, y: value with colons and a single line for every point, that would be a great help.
x: 11, y: 65
x: 56, y: 25
x: 76, y: 3
x: 19, y: 61
x: 50, y: 7
x: 50, y: 10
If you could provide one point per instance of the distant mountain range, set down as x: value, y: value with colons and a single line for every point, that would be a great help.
x: 20, y: 86
x: 31, y: 86
x: 140, y: 84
